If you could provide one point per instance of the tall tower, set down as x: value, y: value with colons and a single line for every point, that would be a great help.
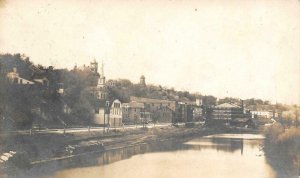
x: 142, y: 80
x: 94, y: 66
x: 101, y: 80
x: 101, y: 86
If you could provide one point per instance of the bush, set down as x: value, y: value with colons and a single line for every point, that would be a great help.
x: 272, y: 132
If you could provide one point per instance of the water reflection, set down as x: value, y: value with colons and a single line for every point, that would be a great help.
x: 202, y: 157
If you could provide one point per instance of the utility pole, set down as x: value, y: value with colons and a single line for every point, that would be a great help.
x: 106, y: 111
x: 296, y: 119
x: 104, y: 120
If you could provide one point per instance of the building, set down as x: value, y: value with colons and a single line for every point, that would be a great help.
x: 163, y: 114
x: 243, y: 122
x: 183, y: 113
x: 146, y: 117
x: 40, y: 79
x: 227, y: 112
x: 99, y: 90
x: 263, y: 114
x: 132, y: 112
x: 14, y: 77
x: 197, y: 113
x: 143, y: 80
x: 111, y: 83
x: 101, y: 113
x: 116, y: 114
x: 151, y: 105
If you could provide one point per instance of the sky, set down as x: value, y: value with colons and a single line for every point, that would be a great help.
x: 229, y: 48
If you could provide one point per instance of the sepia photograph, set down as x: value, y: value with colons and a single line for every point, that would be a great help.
x: 150, y: 88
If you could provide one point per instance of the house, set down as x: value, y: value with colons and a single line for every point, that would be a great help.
x: 131, y: 112
x: 40, y: 79
x: 14, y: 77
x: 116, y: 114
x: 227, y: 112
x: 101, y: 113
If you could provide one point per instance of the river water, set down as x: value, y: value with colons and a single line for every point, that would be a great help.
x: 214, y: 156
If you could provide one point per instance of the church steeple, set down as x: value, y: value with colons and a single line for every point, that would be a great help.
x: 102, y: 69
x: 101, y: 81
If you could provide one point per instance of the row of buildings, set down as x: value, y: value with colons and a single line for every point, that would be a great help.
x: 139, y: 109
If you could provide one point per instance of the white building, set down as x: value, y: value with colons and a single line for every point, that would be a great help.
x: 263, y: 114
x: 116, y: 114
x: 14, y: 77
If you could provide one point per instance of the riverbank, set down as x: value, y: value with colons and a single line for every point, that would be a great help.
x: 37, y: 149
x: 282, y: 149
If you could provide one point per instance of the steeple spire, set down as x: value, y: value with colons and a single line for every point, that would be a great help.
x: 102, y: 69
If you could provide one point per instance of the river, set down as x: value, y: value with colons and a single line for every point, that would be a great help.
x: 214, y: 156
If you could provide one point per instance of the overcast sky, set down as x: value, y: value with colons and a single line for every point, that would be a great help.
x: 225, y: 48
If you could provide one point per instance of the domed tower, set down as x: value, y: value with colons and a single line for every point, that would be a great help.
x: 94, y: 66
x: 142, y: 80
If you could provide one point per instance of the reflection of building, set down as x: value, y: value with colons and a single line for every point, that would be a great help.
x: 116, y: 114
x: 227, y: 112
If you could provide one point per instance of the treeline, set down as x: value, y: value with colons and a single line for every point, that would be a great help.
x: 24, y: 105
x: 20, y: 106
x: 124, y: 88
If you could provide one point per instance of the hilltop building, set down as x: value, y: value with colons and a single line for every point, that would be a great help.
x: 14, y: 78
x: 143, y: 80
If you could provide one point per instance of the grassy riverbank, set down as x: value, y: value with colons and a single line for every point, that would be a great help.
x: 282, y: 148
